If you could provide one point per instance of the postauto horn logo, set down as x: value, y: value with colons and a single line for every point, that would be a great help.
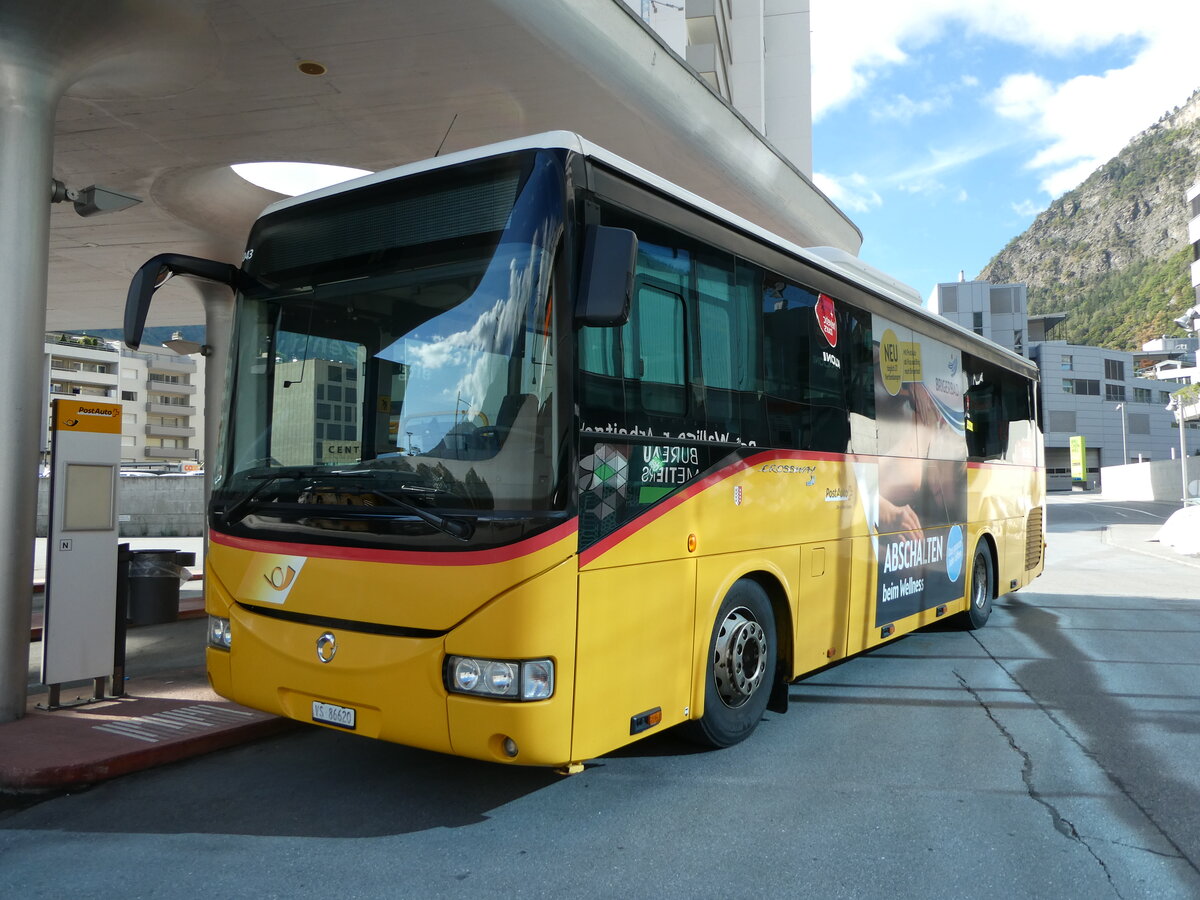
x: 827, y: 318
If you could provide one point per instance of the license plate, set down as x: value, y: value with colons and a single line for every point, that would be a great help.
x: 328, y: 714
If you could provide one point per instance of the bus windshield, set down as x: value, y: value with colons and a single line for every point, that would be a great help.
x: 397, y: 353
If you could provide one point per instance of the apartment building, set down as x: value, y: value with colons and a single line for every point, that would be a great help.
x: 754, y: 53
x: 316, y: 407
x: 160, y: 393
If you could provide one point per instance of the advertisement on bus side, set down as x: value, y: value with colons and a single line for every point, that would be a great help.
x: 915, y: 494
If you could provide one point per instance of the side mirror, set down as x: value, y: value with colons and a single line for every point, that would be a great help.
x: 154, y: 273
x: 606, y: 276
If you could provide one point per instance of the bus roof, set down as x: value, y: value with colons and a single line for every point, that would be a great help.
x: 831, y: 260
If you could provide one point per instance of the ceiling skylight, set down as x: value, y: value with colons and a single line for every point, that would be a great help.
x: 292, y: 178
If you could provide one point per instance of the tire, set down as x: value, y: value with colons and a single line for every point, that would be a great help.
x: 741, y: 668
x: 981, y: 589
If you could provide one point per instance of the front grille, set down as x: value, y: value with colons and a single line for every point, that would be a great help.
x: 341, y: 624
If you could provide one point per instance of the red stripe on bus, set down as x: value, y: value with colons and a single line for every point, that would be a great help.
x: 629, y: 528
x: 405, y: 557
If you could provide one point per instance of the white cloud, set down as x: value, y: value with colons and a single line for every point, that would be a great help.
x: 1078, y: 123
x: 1026, y: 208
x: 1022, y: 96
x: 852, y: 193
x: 1086, y: 120
x: 858, y: 193
x: 922, y: 177
x: 904, y: 109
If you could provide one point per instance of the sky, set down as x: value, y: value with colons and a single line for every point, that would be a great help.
x: 942, y: 127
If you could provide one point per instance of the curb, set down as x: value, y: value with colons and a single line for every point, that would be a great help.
x: 81, y: 747
x: 1160, y: 552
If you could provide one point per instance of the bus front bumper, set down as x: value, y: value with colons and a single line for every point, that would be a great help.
x: 392, y: 688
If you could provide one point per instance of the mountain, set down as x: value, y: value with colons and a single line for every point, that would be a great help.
x: 1113, y: 253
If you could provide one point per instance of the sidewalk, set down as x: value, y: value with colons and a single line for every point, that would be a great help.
x: 168, y: 711
x: 1141, y: 539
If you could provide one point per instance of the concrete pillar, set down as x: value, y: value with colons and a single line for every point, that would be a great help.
x: 100, y: 49
x: 29, y: 95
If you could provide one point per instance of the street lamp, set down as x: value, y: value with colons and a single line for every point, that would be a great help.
x: 1176, y: 406
x: 92, y: 200
x: 1124, y: 439
x: 185, y: 347
x: 1189, y: 321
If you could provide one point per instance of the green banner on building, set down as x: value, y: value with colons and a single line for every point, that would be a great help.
x: 1078, y: 458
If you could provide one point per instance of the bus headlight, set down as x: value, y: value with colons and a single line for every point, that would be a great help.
x: 218, y: 633
x: 531, y: 679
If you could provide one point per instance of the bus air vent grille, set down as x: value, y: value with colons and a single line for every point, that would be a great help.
x: 1033, y: 538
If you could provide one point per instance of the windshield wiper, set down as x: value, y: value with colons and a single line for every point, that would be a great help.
x: 459, y: 529
x: 264, y: 479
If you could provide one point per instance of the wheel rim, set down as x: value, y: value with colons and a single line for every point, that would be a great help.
x: 980, y: 588
x: 740, y: 657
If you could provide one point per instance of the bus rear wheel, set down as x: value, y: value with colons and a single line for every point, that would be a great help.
x: 741, y: 665
x: 981, y: 589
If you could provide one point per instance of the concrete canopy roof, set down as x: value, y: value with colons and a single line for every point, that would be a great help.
x: 210, y: 83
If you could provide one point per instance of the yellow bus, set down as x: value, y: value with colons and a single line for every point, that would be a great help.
x: 528, y: 454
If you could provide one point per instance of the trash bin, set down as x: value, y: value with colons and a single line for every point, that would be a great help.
x: 154, y: 580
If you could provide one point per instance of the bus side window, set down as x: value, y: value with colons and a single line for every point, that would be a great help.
x: 637, y: 369
x: 657, y: 333
x: 983, y: 440
x: 728, y: 380
x: 601, y: 385
x: 859, y: 358
x: 1020, y: 441
x: 999, y: 409
x: 805, y: 370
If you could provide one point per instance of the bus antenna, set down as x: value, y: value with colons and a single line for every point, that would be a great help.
x: 446, y: 135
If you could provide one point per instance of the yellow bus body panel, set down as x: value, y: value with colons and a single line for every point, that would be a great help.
x: 395, y: 683
x: 535, y: 620
x: 635, y: 651
x: 433, y: 591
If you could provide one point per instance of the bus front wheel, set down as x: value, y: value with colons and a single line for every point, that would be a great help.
x: 741, y: 666
x: 981, y: 588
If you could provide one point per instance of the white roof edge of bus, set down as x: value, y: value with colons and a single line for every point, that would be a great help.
x: 831, y: 259
x: 568, y: 140
x: 866, y: 272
